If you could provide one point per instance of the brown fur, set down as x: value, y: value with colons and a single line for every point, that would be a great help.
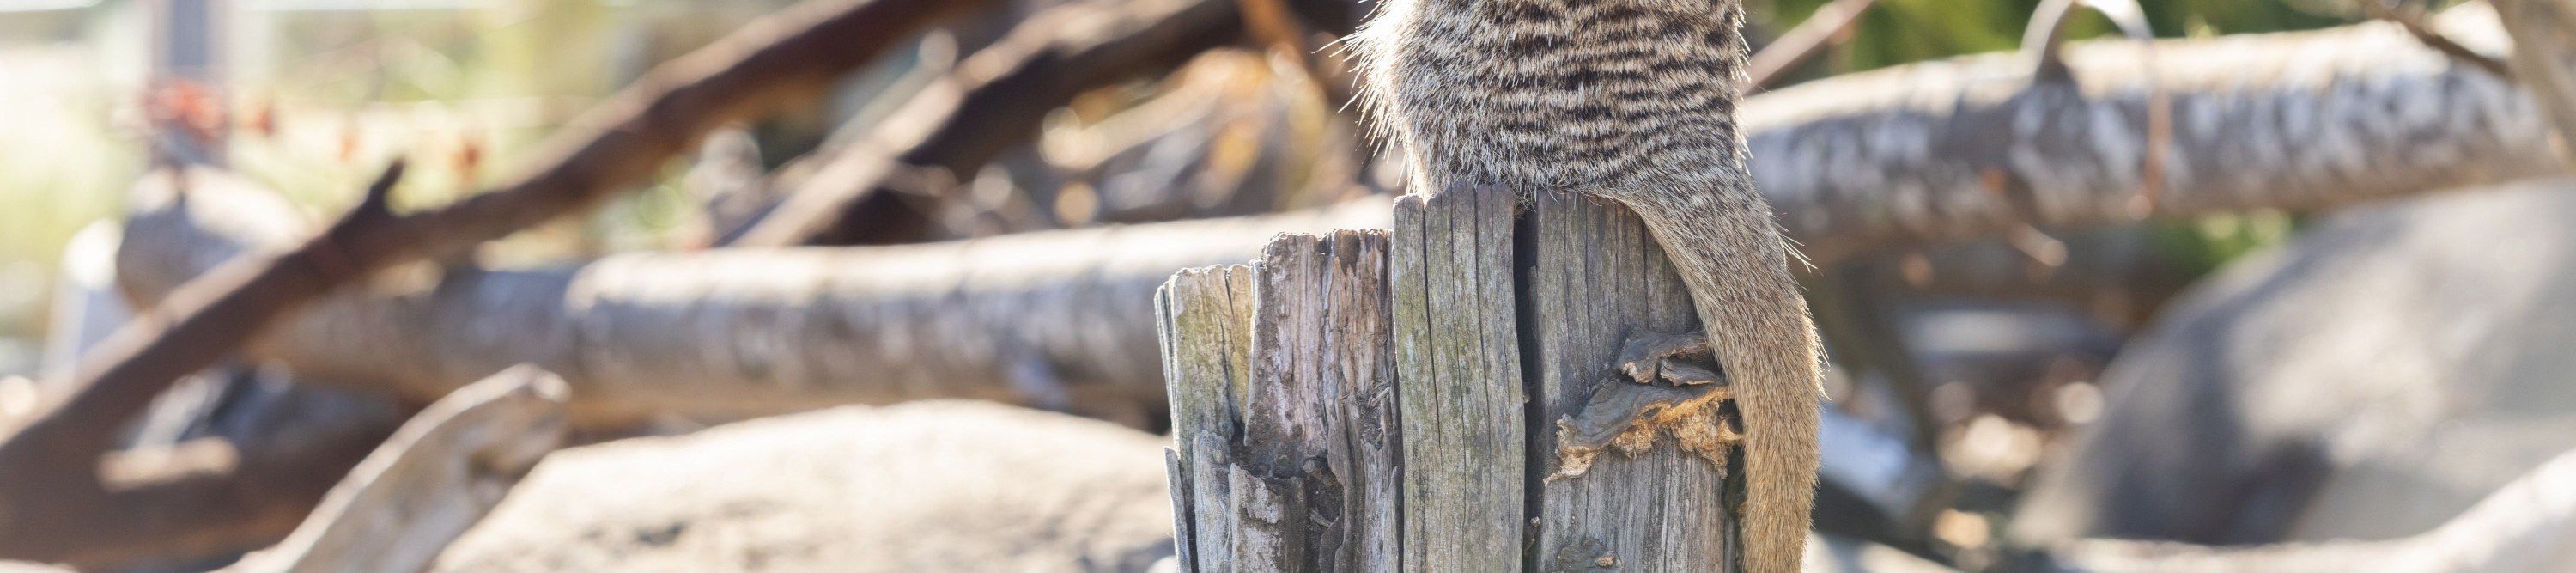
x: 1631, y: 101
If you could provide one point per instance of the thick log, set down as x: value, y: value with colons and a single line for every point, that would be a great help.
x: 1977, y: 146
x: 2293, y: 121
x: 1871, y: 160
x: 1060, y: 319
x: 433, y: 479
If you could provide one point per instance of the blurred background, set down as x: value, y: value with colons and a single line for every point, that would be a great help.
x: 2194, y: 293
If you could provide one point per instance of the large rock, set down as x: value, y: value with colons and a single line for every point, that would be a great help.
x: 926, y: 486
x: 2370, y: 380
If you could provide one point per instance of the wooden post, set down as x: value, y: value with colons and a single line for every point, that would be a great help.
x: 1286, y: 450
x: 1206, y: 318
x: 1594, y: 278
x: 1373, y: 401
x: 1465, y: 441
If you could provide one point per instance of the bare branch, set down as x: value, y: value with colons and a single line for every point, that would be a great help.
x: 52, y: 507
x: 996, y: 98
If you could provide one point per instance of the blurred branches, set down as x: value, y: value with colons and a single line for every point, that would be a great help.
x: 2544, y: 45
x: 1025, y: 293
x: 992, y: 100
x: 56, y: 509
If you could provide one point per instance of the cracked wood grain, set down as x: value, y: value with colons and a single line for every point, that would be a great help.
x: 1285, y: 443
x: 1458, y: 368
x: 1593, y: 278
x: 1205, y: 317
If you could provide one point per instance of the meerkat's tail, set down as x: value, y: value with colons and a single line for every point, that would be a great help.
x: 1766, y: 343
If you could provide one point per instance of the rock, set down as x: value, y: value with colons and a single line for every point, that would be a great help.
x: 2370, y: 379
x: 925, y: 486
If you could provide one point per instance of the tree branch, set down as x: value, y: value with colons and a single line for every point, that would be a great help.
x: 2543, y: 46
x: 52, y: 506
x: 995, y: 99
x: 1803, y: 42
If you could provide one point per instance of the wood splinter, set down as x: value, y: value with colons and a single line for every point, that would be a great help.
x: 1677, y: 388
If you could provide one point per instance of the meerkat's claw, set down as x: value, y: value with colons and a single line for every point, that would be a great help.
x: 1650, y: 356
x: 1690, y: 373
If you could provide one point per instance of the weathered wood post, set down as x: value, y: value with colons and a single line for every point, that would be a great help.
x: 1387, y: 401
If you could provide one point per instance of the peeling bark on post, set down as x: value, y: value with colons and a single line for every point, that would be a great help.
x: 1594, y: 278
x: 1458, y: 362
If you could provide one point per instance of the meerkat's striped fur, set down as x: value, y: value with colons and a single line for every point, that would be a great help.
x: 1631, y: 101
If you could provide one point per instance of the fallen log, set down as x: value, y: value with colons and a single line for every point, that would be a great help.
x: 2299, y: 121
x: 1062, y: 327
x: 1058, y: 319
x: 1981, y: 145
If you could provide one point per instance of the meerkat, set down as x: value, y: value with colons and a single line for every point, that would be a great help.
x: 1632, y: 101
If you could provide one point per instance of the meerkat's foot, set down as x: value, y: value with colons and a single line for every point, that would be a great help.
x: 1673, y: 386
x: 1680, y: 358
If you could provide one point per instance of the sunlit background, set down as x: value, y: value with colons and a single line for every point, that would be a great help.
x: 312, y: 97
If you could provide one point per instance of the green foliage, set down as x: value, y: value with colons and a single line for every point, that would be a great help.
x: 2200, y: 245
